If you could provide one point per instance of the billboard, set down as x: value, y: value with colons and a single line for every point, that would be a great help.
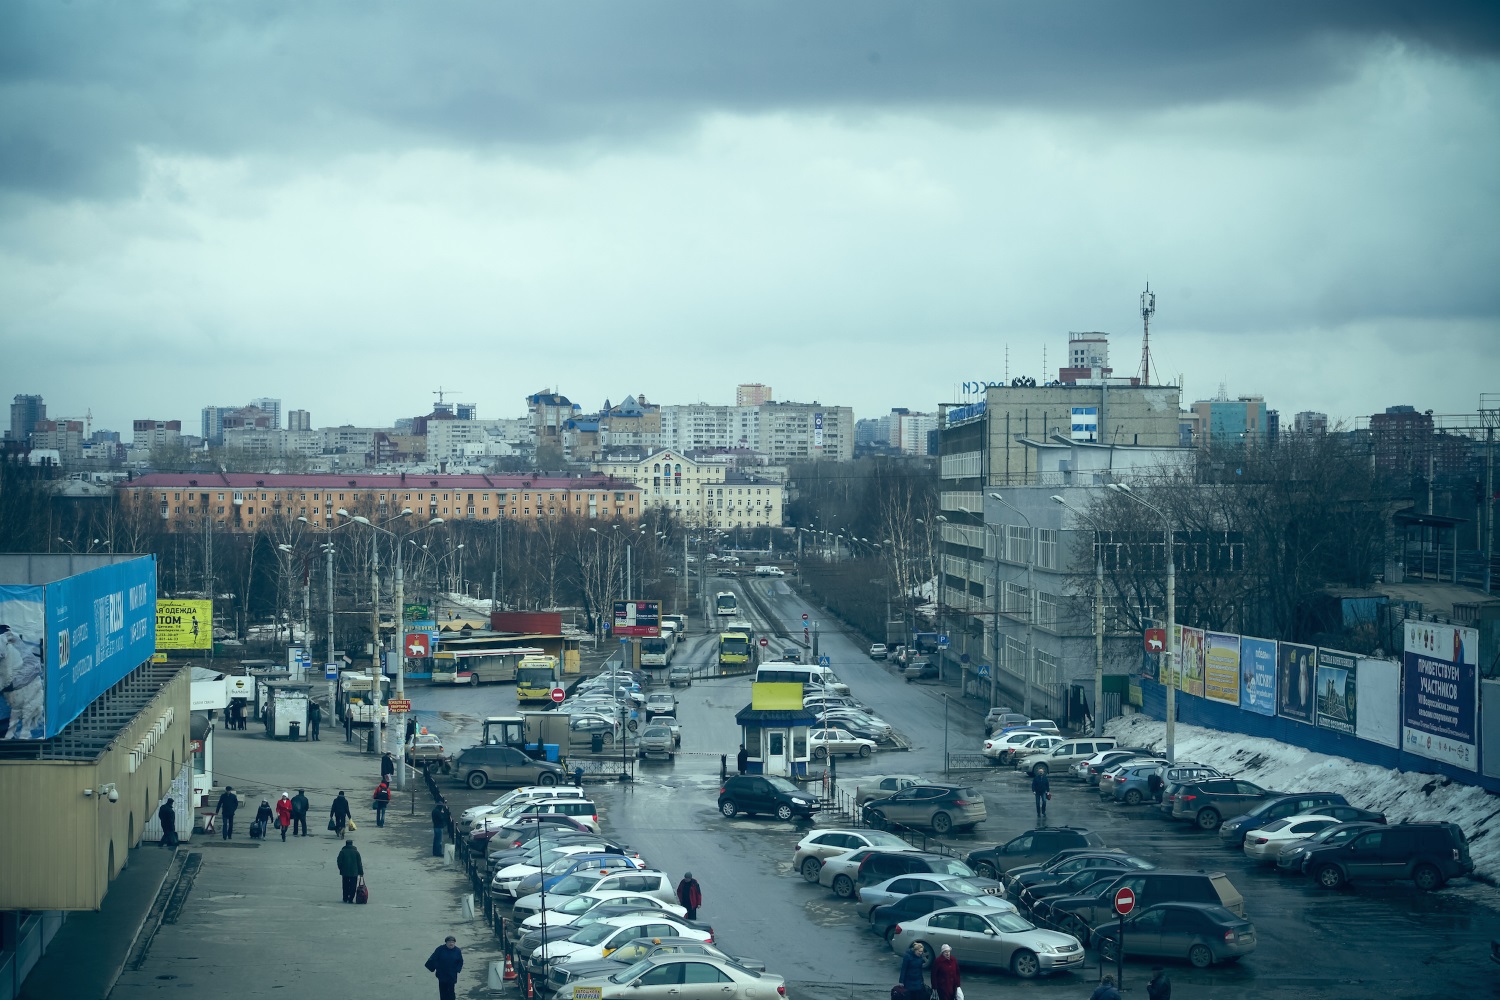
x: 1379, y: 699
x: 1440, y: 693
x: 1187, y: 644
x: 1295, y: 666
x: 1337, y: 694
x: 100, y: 626
x: 1221, y: 667
x: 638, y: 618
x: 1258, y: 675
x: 184, y: 624
x: 23, y: 689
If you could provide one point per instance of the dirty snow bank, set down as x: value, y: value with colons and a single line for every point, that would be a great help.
x: 1401, y: 795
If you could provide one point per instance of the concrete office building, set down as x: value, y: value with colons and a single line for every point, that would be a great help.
x: 753, y: 394
x: 1224, y: 421
x: 25, y: 411
x: 703, y: 493
x: 299, y: 420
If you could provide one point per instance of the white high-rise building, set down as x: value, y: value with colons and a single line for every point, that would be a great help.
x: 271, y: 407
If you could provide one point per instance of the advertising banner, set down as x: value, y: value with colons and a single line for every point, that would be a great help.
x: 1296, y: 665
x: 1221, y: 667
x: 1379, y: 698
x: 638, y: 618
x: 1187, y: 645
x: 100, y: 626
x: 184, y: 624
x: 23, y: 685
x: 1338, y: 699
x: 1258, y: 675
x: 1440, y: 693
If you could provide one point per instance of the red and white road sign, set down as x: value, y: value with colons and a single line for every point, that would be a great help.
x: 764, y: 641
x: 804, y: 616
x: 1124, y: 901
x: 558, y: 694
x: 418, y: 645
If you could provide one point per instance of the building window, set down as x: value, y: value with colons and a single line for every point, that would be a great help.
x: 1017, y: 543
x: 1046, y: 609
x: 1046, y: 547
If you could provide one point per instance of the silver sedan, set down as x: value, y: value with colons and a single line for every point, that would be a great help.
x: 892, y: 889
x: 998, y: 940
x: 673, y: 977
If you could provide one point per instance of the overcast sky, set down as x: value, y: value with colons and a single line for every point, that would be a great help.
x: 347, y: 205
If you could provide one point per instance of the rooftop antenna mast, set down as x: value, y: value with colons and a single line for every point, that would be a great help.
x: 1148, y: 309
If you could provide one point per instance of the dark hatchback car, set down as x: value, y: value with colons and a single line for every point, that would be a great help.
x: 1035, y: 885
x: 883, y: 919
x: 879, y: 867
x: 939, y: 808
x: 764, y: 794
x: 1232, y: 831
x: 1030, y: 848
x: 1427, y: 853
x: 1206, y: 803
x: 1201, y: 933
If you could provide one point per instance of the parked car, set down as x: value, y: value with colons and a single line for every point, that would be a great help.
x: 582, y: 810
x: 1266, y: 843
x: 670, y: 721
x: 1174, y: 777
x: 859, y: 723
x: 663, y: 976
x: 1429, y: 854
x: 868, y: 787
x: 1082, y: 913
x: 840, y: 870
x: 469, y: 817
x: 1206, y: 803
x: 765, y: 794
x: 1080, y: 883
x: 1293, y: 856
x: 600, y: 939
x: 483, y: 765
x: 814, y: 848
x: 937, y: 807
x: 883, y: 919
x: 878, y: 651
x: 825, y: 742
x: 648, y: 882
x: 998, y: 940
x: 1000, y: 717
x: 880, y: 867
x: 1045, y: 726
x: 1088, y: 770
x: 998, y: 746
x: 891, y: 889
x: 1031, y: 847
x: 1130, y: 782
x: 574, y: 907
x: 680, y: 675
x: 628, y: 954
x: 1232, y: 831
x: 1201, y: 933
x: 1067, y: 753
x: 920, y: 669
x: 1034, y: 745
x: 1027, y: 887
x: 426, y: 750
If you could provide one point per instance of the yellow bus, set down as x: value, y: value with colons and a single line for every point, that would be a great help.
x: 536, y: 676
x: 736, y: 650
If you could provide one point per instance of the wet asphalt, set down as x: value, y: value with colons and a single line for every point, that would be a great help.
x: 1373, y: 940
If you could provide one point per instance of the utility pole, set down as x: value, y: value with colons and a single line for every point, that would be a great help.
x: 332, y: 694
x: 398, y: 646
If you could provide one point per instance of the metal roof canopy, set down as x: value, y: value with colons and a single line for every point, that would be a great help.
x: 88, y: 736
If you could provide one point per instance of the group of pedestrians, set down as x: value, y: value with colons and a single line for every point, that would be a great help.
x: 946, y: 982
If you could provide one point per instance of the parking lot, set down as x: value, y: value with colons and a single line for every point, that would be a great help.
x: 1386, y: 939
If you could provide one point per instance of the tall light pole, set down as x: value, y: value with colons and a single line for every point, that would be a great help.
x: 1171, y: 657
x: 1030, y: 597
x: 1098, y: 616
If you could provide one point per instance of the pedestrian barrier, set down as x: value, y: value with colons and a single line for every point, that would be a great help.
x: 468, y: 906
x: 967, y: 762
x: 498, y: 978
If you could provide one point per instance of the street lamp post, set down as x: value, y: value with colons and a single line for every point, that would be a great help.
x: 1030, y: 598
x: 1098, y: 616
x: 1171, y: 657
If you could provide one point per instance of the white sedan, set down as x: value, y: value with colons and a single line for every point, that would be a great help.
x: 577, y: 906
x: 1000, y: 746
x: 824, y: 742
x: 1266, y: 843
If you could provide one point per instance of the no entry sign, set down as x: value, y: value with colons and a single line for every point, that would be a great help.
x: 558, y: 694
x: 1124, y: 901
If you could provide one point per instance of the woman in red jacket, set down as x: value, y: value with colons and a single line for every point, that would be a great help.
x: 945, y: 980
x: 284, y: 814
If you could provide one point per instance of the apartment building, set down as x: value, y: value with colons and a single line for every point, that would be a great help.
x: 702, y: 493
x: 779, y: 432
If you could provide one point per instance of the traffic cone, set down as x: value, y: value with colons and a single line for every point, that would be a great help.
x: 530, y: 992
x: 510, y: 971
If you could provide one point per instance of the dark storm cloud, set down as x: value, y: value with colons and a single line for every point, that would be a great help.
x: 83, y: 86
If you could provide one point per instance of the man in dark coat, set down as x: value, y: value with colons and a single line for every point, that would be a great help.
x: 446, y: 962
x: 1105, y: 990
x: 228, y: 803
x: 690, y: 895
x: 168, y: 817
x: 387, y: 766
x: 1041, y: 787
x: 314, y: 719
x: 300, y: 805
x: 351, y: 867
x: 339, y: 813
x: 441, y: 817
x: 741, y: 758
x: 1160, y: 987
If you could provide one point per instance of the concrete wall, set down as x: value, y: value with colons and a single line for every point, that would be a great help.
x: 1138, y: 416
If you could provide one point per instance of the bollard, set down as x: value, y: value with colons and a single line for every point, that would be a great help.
x: 496, y: 981
x: 468, y: 906
x: 450, y: 856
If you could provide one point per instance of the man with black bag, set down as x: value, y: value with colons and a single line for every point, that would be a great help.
x: 351, y: 868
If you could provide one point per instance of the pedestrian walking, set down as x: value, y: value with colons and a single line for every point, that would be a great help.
x: 446, y: 962
x: 351, y: 868
x: 167, y: 815
x: 338, y: 815
x: 382, y: 798
x: 1105, y: 990
x: 228, y: 803
x: 300, y: 805
x: 262, y: 821
x: 690, y: 895
x: 945, y: 980
x: 911, y: 972
x: 1160, y: 987
x: 284, y: 815
x: 741, y: 758
x: 348, y: 726
x: 1041, y: 787
x: 314, y: 719
x: 387, y: 767
x: 441, y: 817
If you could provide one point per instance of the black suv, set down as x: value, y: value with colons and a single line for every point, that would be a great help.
x: 1078, y: 915
x: 1029, y: 848
x: 766, y: 794
x: 879, y: 867
x: 1427, y: 853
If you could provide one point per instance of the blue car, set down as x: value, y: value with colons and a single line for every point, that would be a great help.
x: 1133, y: 784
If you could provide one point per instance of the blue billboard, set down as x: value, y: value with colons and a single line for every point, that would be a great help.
x: 101, y: 625
x: 1440, y: 693
x: 1258, y: 675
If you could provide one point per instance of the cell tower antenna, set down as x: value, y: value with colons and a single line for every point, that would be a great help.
x: 1148, y: 309
x: 1007, y: 364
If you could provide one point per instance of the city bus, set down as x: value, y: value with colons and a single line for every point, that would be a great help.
x: 725, y: 604
x: 657, y: 651
x: 536, y: 676
x: 736, y: 650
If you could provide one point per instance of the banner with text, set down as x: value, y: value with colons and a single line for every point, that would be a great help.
x: 1221, y: 667
x: 1258, y: 675
x: 1440, y: 693
x: 184, y: 624
x: 1187, y: 650
x: 1337, y: 692
x: 1296, y: 667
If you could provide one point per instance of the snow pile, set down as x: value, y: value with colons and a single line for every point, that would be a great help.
x: 1402, y: 795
